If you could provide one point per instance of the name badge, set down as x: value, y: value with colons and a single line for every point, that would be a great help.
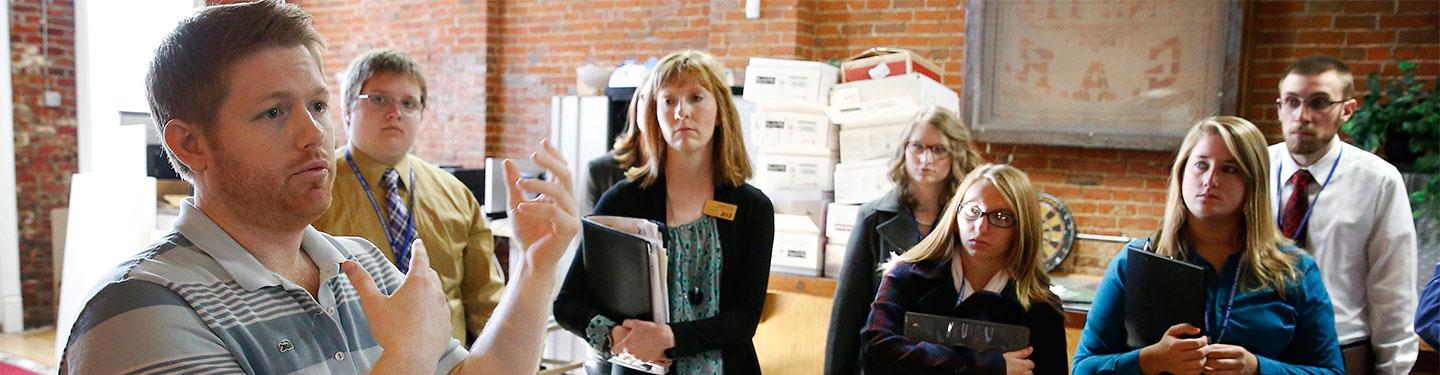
x: 719, y: 209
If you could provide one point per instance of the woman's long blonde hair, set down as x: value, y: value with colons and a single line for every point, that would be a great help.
x: 1022, y: 260
x: 730, y: 163
x: 963, y: 156
x: 1261, y: 260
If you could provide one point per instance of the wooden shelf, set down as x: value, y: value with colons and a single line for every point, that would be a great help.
x: 815, y: 286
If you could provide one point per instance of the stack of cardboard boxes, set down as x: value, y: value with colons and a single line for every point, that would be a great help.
x: 798, y: 148
x: 825, y: 147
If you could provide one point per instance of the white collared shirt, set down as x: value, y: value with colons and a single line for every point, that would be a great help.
x: 965, y: 289
x: 1363, y: 237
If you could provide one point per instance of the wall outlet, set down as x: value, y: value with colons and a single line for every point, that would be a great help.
x: 52, y: 99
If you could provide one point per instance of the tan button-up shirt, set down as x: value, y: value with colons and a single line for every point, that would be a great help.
x: 447, y: 217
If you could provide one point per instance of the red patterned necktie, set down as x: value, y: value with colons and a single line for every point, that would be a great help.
x: 1292, y: 217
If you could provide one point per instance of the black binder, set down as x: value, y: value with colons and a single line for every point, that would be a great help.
x: 977, y: 335
x: 1160, y: 292
x: 618, y: 267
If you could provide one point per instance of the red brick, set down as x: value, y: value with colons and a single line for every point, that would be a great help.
x: 1413, y: 53
x: 1303, y: 22
x: 1378, y: 53
x: 1321, y: 37
x: 1355, y: 22
x: 1281, y: 52
x: 1141, y: 224
x: 1369, y: 37
x: 1279, y: 7
x: 1276, y: 37
x: 1419, y: 36
x: 1353, y: 53
x: 1366, y: 6
x: 1408, y: 21
x: 1418, y: 6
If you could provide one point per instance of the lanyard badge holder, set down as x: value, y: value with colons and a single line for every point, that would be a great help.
x: 397, y: 245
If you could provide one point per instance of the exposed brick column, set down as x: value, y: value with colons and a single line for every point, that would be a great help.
x: 45, y: 141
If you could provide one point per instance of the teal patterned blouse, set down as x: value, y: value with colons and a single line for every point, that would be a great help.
x: 694, y: 281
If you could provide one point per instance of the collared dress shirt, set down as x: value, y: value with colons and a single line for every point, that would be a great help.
x: 1363, y: 237
x: 447, y: 217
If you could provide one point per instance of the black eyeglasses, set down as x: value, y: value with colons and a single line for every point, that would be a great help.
x: 998, y: 218
x: 409, y: 106
x: 1315, y: 104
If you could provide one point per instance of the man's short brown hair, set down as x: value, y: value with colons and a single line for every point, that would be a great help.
x: 1319, y: 64
x: 379, y: 61
x: 187, y: 79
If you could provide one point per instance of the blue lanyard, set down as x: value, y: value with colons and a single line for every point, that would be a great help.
x: 1229, y: 305
x: 1279, y: 215
x: 396, y: 247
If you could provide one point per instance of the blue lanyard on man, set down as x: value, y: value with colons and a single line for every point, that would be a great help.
x: 399, y: 245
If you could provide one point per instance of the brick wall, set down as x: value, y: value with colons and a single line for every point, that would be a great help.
x: 45, y: 143
x: 1369, y: 35
x: 449, y: 40
x: 542, y: 42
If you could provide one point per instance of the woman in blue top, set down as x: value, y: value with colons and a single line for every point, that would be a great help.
x: 1266, y: 308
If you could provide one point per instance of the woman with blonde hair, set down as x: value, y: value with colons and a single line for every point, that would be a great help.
x: 1266, y: 309
x: 689, y: 174
x: 936, y: 152
x: 980, y: 263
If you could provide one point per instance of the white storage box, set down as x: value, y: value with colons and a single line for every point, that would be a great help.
x: 798, y: 246
x: 840, y: 222
x: 861, y: 182
x: 920, y: 89
x: 872, y: 141
x: 811, y: 203
x: 883, y: 111
x: 794, y: 132
x: 834, y: 259
x: 776, y: 82
x: 786, y: 171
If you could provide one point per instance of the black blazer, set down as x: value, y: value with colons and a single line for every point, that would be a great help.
x: 602, y: 173
x: 745, y: 246
x: 928, y: 287
x: 883, y: 228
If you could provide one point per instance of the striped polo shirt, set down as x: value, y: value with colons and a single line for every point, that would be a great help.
x: 197, y: 302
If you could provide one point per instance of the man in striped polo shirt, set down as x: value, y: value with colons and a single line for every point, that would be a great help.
x: 243, y: 283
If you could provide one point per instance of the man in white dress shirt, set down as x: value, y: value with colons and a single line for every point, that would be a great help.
x: 1349, y: 209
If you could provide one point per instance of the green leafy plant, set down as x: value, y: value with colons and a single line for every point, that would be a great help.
x: 1403, y: 110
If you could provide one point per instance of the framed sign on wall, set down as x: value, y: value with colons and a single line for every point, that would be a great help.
x: 1114, y: 74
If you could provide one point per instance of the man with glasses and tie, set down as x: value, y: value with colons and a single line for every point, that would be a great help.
x: 1349, y: 209
x: 390, y: 197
